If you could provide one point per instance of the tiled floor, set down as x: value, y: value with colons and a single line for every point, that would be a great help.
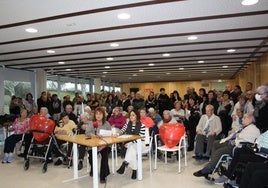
x: 13, y: 175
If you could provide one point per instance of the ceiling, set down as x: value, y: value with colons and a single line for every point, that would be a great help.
x: 80, y: 32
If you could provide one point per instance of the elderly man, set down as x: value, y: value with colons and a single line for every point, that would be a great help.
x: 248, y: 133
x: 209, y: 126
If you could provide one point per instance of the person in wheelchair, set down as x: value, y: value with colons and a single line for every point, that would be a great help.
x: 65, y: 127
x: 256, y: 152
x: 248, y: 133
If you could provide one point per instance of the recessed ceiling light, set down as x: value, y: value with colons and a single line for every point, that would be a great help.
x: 168, y: 73
x: 166, y: 55
x: 204, y: 72
x: 109, y: 58
x: 141, y: 70
x: 31, y: 30
x: 201, y: 61
x: 134, y: 75
x: 68, y: 69
x: 231, y: 50
x: 107, y: 67
x: 181, y: 68
x: 61, y: 62
x: 249, y: 2
x: 114, y: 44
x: 104, y: 72
x: 225, y: 66
x: 50, y: 51
x: 219, y: 80
x: 103, y: 76
x: 192, y: 37
x: 151, y: 64
x: 123, y: 16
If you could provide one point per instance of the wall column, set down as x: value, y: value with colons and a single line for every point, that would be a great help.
x: 97, y: 84
x: 40, y: 81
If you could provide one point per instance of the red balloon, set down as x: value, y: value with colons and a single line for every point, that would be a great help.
x: 171, y: 134
x: 41, y: 123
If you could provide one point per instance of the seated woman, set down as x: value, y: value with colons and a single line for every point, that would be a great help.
x: 177, y: 112
x: 117, y: 120
x: 20, y: 126
x: 91, y: 132
x: 147, y: 121
x: 65, y: 127
x: 135, y: 127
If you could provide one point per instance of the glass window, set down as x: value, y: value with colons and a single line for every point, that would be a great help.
x: 17, y: 88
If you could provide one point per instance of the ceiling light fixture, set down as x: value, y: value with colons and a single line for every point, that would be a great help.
x: 192, y: 37
x: 167, y: 73
x: 151, y: 64
x: 231, y: 50
x: 249, y: 2
x: 225, y: 66
x: 61, y: 62
x: 109, y: 58
x: 204, y: 72
x: 141, y: 70
x: 114, y: 44
x: 134, y: 75
x: 166, y: 55
x: 68, y: 69
x: 107, y: 67
x: 181, y: 68
x: 123, y: 16
x: 104, y: 72
x: 201, y: 61
x: 31, y: 30
x: 51, y: 51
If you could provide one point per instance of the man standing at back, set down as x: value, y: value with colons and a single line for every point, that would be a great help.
x: 163, y: 101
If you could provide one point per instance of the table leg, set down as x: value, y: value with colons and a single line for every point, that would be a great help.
x: 139, y: 159
x: 95, y: 167
x: 75, y: 164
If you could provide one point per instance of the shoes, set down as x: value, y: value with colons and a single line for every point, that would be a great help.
x: 197, y: 157
x: 49, y: 160
x: 205, y: 157
x: 58, y: 162
x: 199, y: 173
x: 134, y: 174
x: 190, y: 149
x: 68, y: 162
x: 80, y: 165
x: 220, y: 180
x: 21, y: 155
x: 102, y: 181
x: 228, y: 185
x: 121, y: 170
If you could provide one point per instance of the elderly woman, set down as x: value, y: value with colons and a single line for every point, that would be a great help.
x: 117, y: 120
x: 135, y: 127
x: 92, y: 130
x: 20, y: 126
x: 261, y: 108
x: 65, y: 127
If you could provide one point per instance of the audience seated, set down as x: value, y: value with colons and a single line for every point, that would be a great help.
x: 65, y: 127
x: 248, y: 133
x: 209, y: 126
x: 135, y: 127
x: 20, y: 126
x: 92, y: 132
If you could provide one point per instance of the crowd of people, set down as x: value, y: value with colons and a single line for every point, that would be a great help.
x: 215, y: 121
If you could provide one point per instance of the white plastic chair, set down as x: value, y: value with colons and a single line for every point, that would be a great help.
x: 148, y: 146
x: 181, y: 146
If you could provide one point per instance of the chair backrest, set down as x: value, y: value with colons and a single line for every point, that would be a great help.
x: 147, y: 136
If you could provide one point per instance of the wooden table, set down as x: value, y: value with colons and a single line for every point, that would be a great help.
x: 94, y: 143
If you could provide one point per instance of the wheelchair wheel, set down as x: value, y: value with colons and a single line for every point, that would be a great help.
x: 44, y: 169
x: 26, y: 164
x: 221, y: 170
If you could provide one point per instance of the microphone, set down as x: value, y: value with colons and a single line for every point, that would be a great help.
x: 95, y: 125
